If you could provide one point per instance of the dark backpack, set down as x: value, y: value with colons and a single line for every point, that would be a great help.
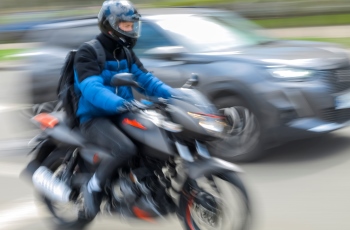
x: 67, y: 97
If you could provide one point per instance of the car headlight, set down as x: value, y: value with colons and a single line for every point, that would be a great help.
x: 209, y: 122
x: 291, y: 74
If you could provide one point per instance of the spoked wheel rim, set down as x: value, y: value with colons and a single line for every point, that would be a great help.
x: 198, y: 219
x: 228, y: 215
x: 241, y: 135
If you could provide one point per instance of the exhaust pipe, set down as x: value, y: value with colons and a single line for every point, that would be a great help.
x: 53, y: 188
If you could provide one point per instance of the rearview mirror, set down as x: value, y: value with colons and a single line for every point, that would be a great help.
x: 192, y: 81
x: 123, y: 79
x: 165, y: 52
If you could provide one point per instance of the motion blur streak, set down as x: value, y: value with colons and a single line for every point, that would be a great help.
x: 21, y: 212
x: 10, y: 170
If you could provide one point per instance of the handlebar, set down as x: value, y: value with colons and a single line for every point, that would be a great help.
x: 154, y: 102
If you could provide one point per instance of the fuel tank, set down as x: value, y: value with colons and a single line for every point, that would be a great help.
x: 151, y: 139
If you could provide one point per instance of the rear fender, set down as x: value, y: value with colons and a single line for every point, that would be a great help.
x: 54, y: 125
x: 204, y: 167
x: 65, y: 135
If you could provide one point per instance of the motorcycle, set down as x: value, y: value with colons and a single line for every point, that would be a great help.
x: 173, y: 172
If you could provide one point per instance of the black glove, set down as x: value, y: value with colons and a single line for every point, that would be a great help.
x: 127, y: 107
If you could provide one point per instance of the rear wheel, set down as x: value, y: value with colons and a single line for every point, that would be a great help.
x: 215, y: 202
x: 242, y: 140
x: 66, y: 215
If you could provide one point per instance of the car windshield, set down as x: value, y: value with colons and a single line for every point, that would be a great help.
x: 208, y: 33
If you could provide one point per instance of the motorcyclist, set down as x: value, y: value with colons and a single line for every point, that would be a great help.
x: 119, y: 23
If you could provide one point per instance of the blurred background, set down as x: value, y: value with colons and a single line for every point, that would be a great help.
x: 17, y: 16
x: 300, y: 185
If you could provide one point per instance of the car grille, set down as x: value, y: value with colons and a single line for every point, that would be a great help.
x: 337, y: 80
x: 337, y: 116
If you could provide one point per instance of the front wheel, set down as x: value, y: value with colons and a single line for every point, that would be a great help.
x: 218, y: 202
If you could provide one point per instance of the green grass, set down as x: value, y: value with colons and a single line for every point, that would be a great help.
x: 5, y: 54
x: 315, y: 20
x: 175, y: 3
x: 282, y: 22
x: 8, y: 18
x: 342, y: 41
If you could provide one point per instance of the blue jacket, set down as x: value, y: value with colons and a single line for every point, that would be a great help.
x: 97, y: 97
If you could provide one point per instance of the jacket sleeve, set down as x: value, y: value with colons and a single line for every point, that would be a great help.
x: 152, y: 85
x: 90, y: 82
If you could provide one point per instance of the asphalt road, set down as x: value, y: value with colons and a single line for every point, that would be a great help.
x: 302, y: 185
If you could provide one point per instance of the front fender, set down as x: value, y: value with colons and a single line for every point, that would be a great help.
x: 203, y: 167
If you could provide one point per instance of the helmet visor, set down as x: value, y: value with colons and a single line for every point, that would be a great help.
x: 130, y: 28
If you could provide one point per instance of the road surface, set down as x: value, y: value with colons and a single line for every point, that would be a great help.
x: 303, y: 185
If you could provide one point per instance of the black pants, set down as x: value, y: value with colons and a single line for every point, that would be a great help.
x: 104, y: 133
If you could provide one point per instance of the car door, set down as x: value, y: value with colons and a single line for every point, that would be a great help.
x: 169, y: 71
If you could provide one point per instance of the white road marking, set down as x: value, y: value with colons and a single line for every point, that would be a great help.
x: 17, y: 215
x: 14, y: 107
x: 15, y: 145
x: 27, y: 45
x: 11, y: 169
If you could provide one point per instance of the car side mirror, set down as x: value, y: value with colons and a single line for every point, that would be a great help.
x: 165, y: 52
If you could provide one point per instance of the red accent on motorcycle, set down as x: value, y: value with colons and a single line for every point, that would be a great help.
x: 95, y: 158
x: 141, y: 214
x: 188, y: 214
x: 46, y: 120
x: 133, y: 123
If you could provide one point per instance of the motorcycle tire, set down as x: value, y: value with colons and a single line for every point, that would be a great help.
x: 187, y: 211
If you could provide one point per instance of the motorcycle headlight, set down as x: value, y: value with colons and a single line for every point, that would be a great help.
x: 210, y: 122
x: 291, y: 74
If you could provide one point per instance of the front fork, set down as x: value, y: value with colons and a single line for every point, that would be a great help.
x: 180, y: 183
x: 175, y: 171
x: 176, y: 178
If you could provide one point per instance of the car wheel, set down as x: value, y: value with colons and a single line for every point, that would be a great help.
x: 242, y: 137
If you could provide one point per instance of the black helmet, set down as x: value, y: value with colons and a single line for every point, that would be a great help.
x: 112, y: 13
